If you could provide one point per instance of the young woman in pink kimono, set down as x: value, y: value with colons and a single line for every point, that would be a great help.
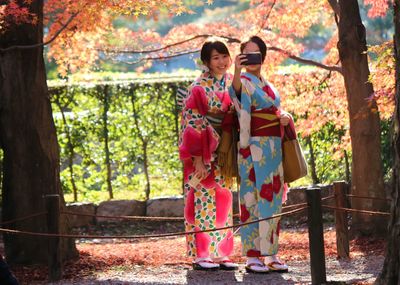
x: 262, y: 189
x: 207, y: 114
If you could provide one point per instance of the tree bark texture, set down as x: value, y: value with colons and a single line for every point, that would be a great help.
x: 391, y: 268
x: 29, y: 142
x: 367, y: 173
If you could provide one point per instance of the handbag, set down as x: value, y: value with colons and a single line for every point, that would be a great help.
x: 293, y: 161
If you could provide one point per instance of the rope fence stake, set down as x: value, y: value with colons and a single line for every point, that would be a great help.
x: 316, y: 236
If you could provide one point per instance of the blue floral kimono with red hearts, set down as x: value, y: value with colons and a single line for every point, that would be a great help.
x: 260, y: 164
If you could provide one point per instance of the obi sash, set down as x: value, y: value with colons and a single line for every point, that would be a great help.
x: 226, y: 126
x: 265, y: 122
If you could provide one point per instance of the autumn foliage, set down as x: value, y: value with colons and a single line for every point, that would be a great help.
x: 315, y: 96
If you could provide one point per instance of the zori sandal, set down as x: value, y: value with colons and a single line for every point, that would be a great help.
x: 227, y: 264
x: 278, y: 266
x: 205, y: 264
x: 258, y: 268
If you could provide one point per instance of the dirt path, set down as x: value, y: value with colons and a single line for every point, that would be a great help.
x: 361, y: 270
x: 163, y: 261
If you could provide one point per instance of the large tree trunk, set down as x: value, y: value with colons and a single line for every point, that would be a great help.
x: 28, y: 139
x: 391, y: 268
x: 367, y: 174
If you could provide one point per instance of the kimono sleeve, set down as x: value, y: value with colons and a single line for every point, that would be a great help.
x: 234, y: 98
x: 245, y: 113
x: 197, y: 138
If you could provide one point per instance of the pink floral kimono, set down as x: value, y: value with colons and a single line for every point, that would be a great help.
x: 209, y: 204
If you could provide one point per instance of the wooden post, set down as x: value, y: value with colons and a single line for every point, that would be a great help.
x: 316, y: 236
x: 53, y: 227
x: 341, y: 221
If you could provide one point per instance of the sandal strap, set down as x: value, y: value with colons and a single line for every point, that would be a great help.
x: 206, y: 261
x: 275, y: 262
x: 255, y: 264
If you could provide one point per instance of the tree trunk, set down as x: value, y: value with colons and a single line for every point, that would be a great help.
x: 1, y: 170
x: 177, y: 116
x: 106, y: 103
x: 391, y: 268
x: 367, y: 173
x: 28, y: 139
x: 70, y: 147
x: 144, y: 139
x: 346, y: 161
x: 146, y: 169
x: 312, y: 161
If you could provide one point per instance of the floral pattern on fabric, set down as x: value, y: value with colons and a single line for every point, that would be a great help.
x: 209, y: 205
x: 260, y: 168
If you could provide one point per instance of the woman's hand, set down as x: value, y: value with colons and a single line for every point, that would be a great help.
x: 200, y: 169
x: 236, y: 83
x: 239, y: 59
x: 285, y: 118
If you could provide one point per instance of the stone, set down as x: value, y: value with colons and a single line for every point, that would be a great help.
x: 165, y: 207
x: 120, y: 208
x: 81, y: 208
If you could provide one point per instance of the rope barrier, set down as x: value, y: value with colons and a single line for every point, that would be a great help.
x: 365, y: 197
x: 294, y: 206
x: 357, y: 211
x: 23, y: 218
x: 146, y: 236
x: 328, y: 197
x: 144, y: 218
x: 149, y: 218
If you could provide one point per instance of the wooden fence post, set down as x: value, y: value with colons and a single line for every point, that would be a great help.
x: 341, y: 221
x: 53, y: 226
x: 316, y: 236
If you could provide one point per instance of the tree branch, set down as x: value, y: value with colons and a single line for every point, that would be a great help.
x: 308, y: 61
x: 335, y: 7
x: 160, y: 57
x: 266, y: 17
x: 294, y: 57
x: 45, y: 43
x: 230, y: 40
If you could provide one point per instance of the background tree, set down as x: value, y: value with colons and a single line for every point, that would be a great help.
x: 367, y: 174
x: 27, y: 137
x: 27, y: 133
x: 391, y: 268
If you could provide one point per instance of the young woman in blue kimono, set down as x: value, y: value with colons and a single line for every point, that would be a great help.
x: 262, y: 188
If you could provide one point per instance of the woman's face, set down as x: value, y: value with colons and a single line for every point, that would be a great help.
x: 249, y: 48
x: 219, y: 63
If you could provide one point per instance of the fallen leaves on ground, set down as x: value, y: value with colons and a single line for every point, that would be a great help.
x: 100, y: 256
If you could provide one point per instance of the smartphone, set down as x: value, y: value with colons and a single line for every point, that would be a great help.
x: 252, y: 58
